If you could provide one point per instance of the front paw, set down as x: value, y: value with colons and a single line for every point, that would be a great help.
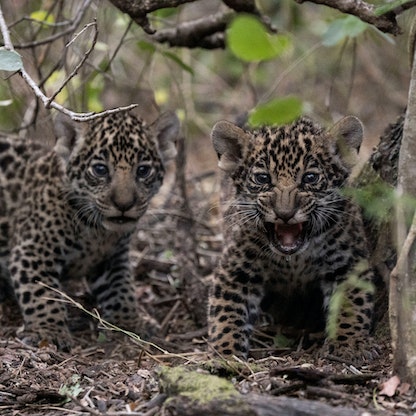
x: 357, y: 351
x: 138, y: 322
x: 147, y: 327
x: 44, y: 337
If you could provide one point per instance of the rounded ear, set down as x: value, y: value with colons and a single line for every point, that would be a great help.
x: 167, y: 128
x: 348, y: 135
x: 66, y: 132
x: 350, y: 130
x: 229, y: 142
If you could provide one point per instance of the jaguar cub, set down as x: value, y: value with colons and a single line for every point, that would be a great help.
x: 294, y: 242
x: 70, y: 212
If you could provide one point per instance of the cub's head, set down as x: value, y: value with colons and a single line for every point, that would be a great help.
x: 286, y: 179
x: 114, y: 166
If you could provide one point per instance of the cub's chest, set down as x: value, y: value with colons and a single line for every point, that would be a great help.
x: 87, y: 254
x: 289, y: 272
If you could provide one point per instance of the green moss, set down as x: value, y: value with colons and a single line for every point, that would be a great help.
x: 200, y: 387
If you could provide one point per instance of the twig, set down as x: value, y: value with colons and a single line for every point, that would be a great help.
x: 331, y: 394
x: 39, y: 93
x: 64, y: 298
x: 166, y: 321
x: 287, y: 388
x: 73, y: 25
x: 79, y: 65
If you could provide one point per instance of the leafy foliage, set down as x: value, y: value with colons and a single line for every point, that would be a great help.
x: 342, y: 29
x: 389, y: 6
x: 339, y: 300
x: 249, y: 40
x: 278, y: 111
x: 10, y: 61
x: 378, y: 200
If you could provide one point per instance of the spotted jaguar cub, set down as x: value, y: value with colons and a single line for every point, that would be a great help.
x: 294, y: 243
x: 70, y: 212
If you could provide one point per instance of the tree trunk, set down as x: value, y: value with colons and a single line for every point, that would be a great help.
x: 403, y: 277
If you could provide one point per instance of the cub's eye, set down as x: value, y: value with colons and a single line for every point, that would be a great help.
x: 144, y: 171
x: 262, y: 178
x: 100, y: 170
x: 310, y: 178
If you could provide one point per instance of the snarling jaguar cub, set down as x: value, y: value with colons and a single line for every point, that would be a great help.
x: 70, y: 211
x: 294, y: 242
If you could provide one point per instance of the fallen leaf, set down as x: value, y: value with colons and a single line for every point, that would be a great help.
x: 388, y: 388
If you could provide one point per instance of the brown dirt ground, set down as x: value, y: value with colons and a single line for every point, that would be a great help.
x: 111, y: 375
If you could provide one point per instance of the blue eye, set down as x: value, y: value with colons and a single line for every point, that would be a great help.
x: 144, y: 171
x: 310, y: 178
x: 262, y: 178
x: 100, y: 170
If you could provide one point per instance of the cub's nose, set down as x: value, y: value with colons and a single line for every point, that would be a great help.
x: 123, y: 202
x: 285, y: 214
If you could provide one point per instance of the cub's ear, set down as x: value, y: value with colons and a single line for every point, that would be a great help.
x: 348, y: 135
x: 66, y: 132
x: 166, y: 128
x: 229, y: 142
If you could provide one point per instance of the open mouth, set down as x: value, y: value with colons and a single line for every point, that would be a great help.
x: 287, y: 238
x: 122, y: 220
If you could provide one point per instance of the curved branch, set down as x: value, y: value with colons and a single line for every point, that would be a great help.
x: 206, y: 32
x: 138, y: 9
x: 386, y: 22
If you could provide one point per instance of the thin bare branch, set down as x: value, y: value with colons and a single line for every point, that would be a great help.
x: 84, y: 58
x: 47, y: 102
x: 74, y: 23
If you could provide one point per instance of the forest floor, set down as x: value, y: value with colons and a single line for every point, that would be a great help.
x: 106, y: 375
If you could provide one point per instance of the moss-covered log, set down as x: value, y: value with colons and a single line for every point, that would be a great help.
x: 192, y: 393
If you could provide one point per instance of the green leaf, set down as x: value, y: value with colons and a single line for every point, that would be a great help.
x: 42, y: 16
x: 146, y: 46
x: 10, y: 60
x: 281, y: 341
x: 249, y: 40
x: 343, y: 28
x: 340, y: 302
x: 165, y: 13
x: 385, y: 8
x: 176, y: 59
x: 276, y: 112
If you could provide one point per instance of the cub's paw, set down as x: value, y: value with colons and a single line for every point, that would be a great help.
x: 147, y: 327
x: 44, y: 337
x: 356, y: 351
x: 139, y: 322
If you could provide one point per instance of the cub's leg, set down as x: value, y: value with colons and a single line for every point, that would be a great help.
x: 114, y: 288
x: 350, y: 307
x: 233, y: 305
x: 45, y: 317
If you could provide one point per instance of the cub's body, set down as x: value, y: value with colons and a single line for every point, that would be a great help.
x: 70, y: 212
x: 293, y: 240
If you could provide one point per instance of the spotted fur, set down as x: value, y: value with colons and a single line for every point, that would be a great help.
x: 70, y: 212
x: 294, y: 243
